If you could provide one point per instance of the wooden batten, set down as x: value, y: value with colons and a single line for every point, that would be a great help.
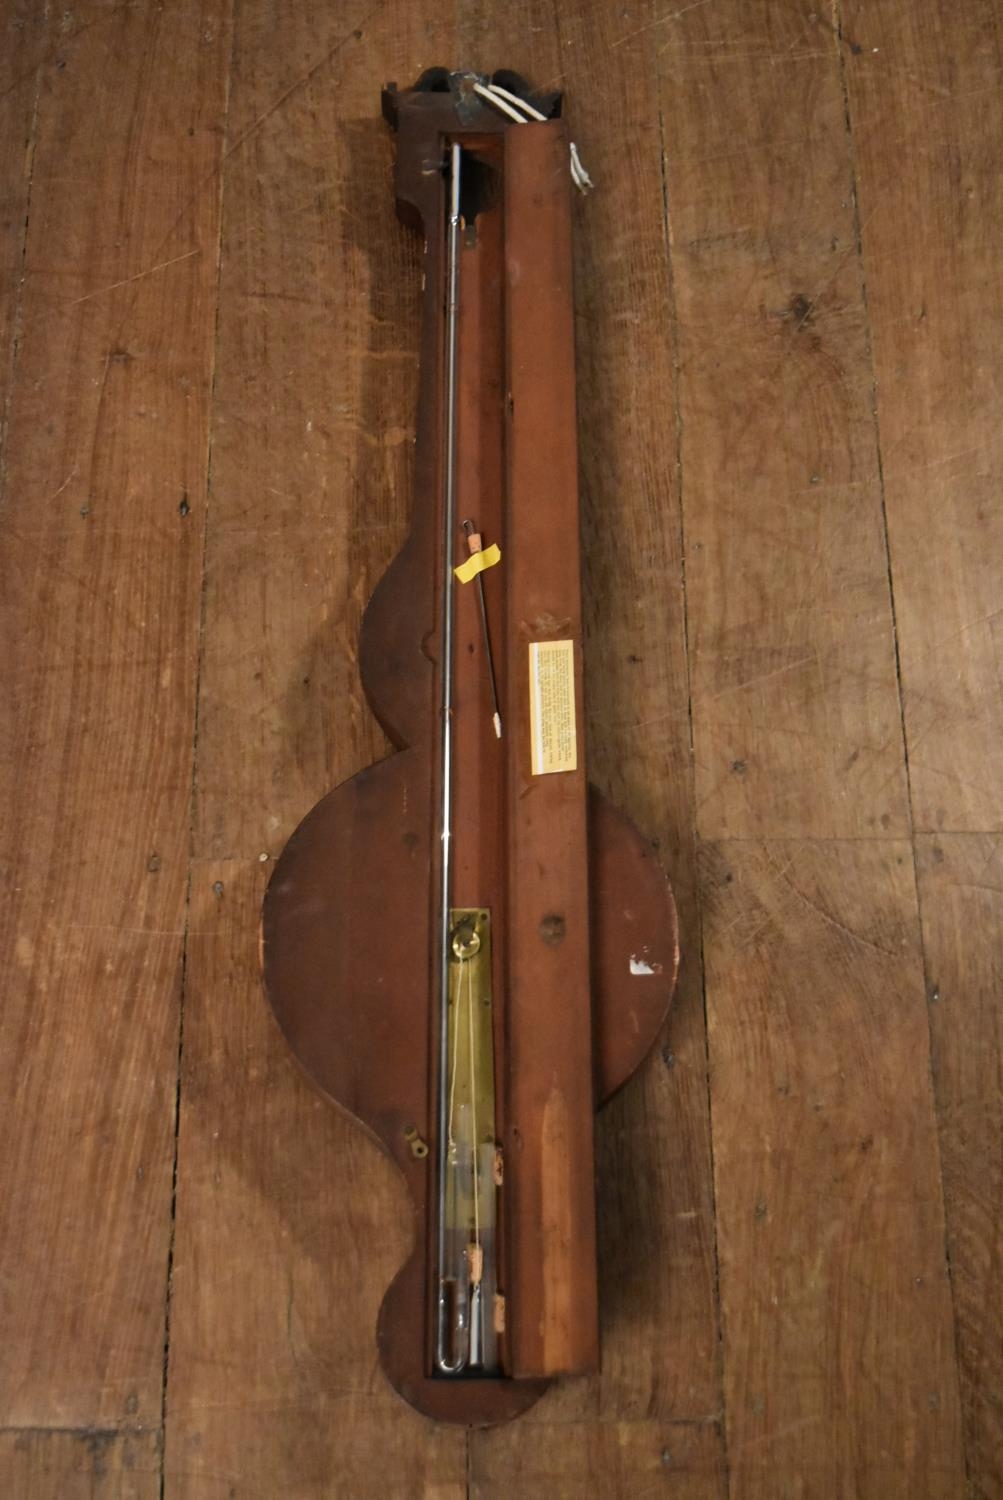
x: 549, y: 1177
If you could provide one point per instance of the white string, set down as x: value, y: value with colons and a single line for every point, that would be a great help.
x: 582, y: 179
x: 523, y: 104
x: 486, y: 91
x: 522, y: 111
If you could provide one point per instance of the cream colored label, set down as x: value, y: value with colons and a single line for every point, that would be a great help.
x: 553, y: 736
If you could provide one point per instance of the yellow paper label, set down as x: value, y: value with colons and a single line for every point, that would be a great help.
x: 477, y: 562
x: 553, y: 733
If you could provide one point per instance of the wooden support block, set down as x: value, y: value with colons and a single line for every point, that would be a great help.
x: 553, y: 1325
x: 658, y: 1314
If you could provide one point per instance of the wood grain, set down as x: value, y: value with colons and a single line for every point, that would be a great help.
x: 106, y: 444
x: 313, y: 419
x: 923, y: 87
x: 550, y: 1087
x: 655, y: 1221
x: 826, y: 226
x: 27, y: 33
x: 99, y: 1464
x: 961, y: 899
x: 795, y: 706
x: 274, y: 1375
x: 840, y: 1374
x: 290, y: 1225
x: 614, y: 1460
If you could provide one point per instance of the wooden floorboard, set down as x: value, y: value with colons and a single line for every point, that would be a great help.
x: 839, y: 1359
x: 795, y: 706
x: 101, y: 544
x: 95, y: 1464
x: 566, y: 1461
x: 20, y: 79
x: 789, y: 332
x: 274, y: 1377
x: 923, y: 86
x: 290, y: 1225
x: 961, y: 900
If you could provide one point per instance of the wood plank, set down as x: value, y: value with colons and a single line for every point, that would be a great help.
x: 924, y: 88
x: 840, y: 1372
x: 961, y: 900
x: 316, y: 394
x: 274, y: 1379
x: 101, y: 562
x: 659, y: 1337
x: 614, y: 1460
x: 553, y: 1326
x: 95, y: 1464
x: 290, y: 1226
x: 26, y: 36
x: 795, y: 707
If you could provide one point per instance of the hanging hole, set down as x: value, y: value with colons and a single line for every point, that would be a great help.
x: 479, y: 189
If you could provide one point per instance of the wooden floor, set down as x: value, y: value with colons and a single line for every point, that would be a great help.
x: 790, y: 322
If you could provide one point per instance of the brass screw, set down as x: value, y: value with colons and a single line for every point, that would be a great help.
x: 466, y: 940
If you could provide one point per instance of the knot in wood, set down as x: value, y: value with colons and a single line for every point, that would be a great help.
x: 552, y: 929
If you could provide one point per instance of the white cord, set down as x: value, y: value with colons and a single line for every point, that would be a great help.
x: 522, y: 111
x: 582, y: 179
x: 487, y: 92
x: 523, y: 104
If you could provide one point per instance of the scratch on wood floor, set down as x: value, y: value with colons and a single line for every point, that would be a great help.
x: 255, y: 125
x: 935, y: 463
x: 992, y: 853
x: 813, y: 300
x: 56, y: 493
x: 773, y: 1433
x: 127, y: 280
x: 792, y: 666
x: 984, y: 791
x: 673, y: 15
x: 993, y: 614
x: 753, y: 56
x: 51, y: 53
x: 675, y: 715
x: 827, y: 916
x: 109, y: 604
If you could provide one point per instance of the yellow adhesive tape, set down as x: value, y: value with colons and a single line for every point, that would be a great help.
x: 477, y: 562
